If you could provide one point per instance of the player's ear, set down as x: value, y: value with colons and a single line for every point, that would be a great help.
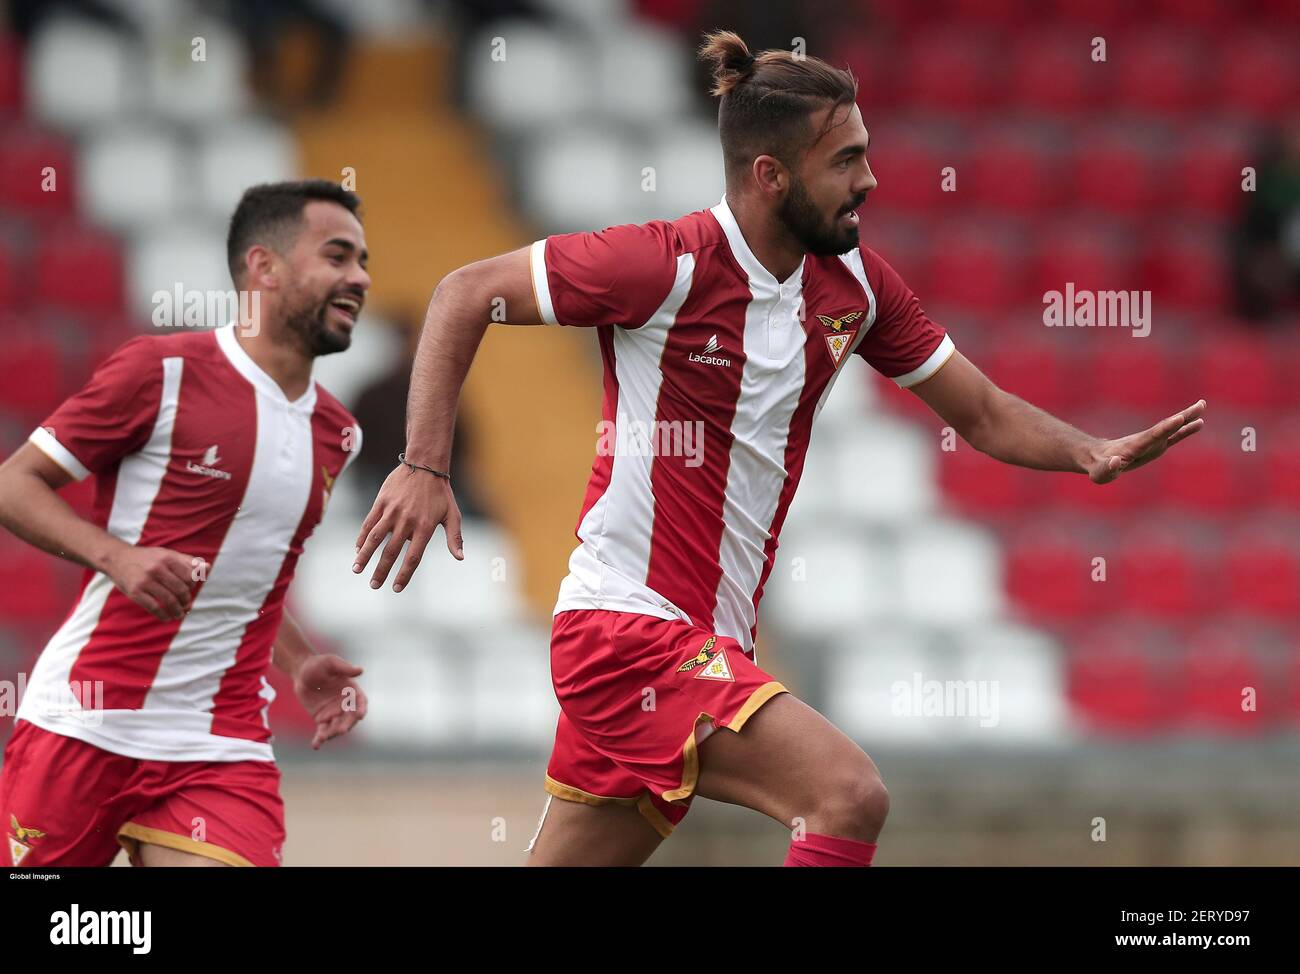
x: 770, y: 175
x: 263, y: 269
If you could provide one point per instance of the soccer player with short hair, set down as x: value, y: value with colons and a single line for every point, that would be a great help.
x: 144, y: 723
x: 739, y: 317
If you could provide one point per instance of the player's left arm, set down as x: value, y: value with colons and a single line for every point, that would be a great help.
x: 324, y: 684
x: 1009, y: 429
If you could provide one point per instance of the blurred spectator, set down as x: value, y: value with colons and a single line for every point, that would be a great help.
x: 1266, y: 258
x: 26, y: 15
x: 267, y: 24
x: 381, y: 412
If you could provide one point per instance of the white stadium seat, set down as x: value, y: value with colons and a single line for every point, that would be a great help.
x: 642, y: 75
x: 196, y: 91
x: 950, y: 571
x: 543, y: 79
x: 574, y: 179
x: 133, y: 175
x: 189, y: 253
x: 80, y: 74
x: 509, y: 689
x: 869, y: 678
x: 885, y: 471
x: 416, y: 688
x: 829, y: 579
x: 237, y: 155
x: 687, y: 162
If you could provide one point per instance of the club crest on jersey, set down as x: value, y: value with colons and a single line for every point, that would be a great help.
x: 840, y: 336
x: 208, y: 466
x: 18, y: 842
x: 702, y: 658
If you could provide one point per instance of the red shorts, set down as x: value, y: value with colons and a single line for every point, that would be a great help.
x: 68, y: 803
x: 637, y: 694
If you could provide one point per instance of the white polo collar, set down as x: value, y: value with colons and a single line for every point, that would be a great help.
x: 740, y: 249
x: 253, y: 372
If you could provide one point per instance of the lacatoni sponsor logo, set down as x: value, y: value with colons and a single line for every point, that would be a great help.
x: 209, y: 465
x: 946, y: 698
x: 659, y: 438
x: 75, y: 927
x: 1098, y: 309
x: 708, y: 356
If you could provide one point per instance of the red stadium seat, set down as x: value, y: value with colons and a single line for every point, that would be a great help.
x: 1208, y: 169
x: 1263, y: 576
x: 10, y: 293
x: 1158, y: 574
x: 1257, y: 73
x: 1050, y: 71
x: 1159, y: 71
x: 1089, y: 255
x: 1280, y: 455
x: 1186, y: 268
x: 1238, y: 371
x: 1118, y: 172
x: 1213, y: 673
x: 980, y: 485
x: 1037, y: 370
x: 1117, y: 684
x: 907, y: 162
x: 1010, y: 170
x: 1113, y: 14
x: 27, y: 156
x: 79, y: 268
x: 1200, y: 474
x: 1132, y: 372
x: 11, y: 74
x: 31, y: 376
x: 1048, y: 576
x: 975, y: 266
x: 956, y: 69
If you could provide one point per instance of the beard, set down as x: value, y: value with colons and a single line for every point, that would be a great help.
x: 306, y: 327
x: 817, y: 235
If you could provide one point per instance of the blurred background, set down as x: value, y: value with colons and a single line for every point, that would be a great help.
x: 1121, y: 628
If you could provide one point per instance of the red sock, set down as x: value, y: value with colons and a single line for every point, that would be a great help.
x: 828, y: 850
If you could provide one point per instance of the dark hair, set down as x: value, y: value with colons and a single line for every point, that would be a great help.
x: 271, y: 214
x: 766, y: 100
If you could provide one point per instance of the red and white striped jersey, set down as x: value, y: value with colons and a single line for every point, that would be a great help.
x: 706, y: 353
x: 193, y: 448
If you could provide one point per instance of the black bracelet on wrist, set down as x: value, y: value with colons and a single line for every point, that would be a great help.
x: 419, y: 466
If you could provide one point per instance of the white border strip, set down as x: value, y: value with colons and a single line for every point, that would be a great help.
x: 56, y: 451
x: 930, y: 366
x: 541, y: 289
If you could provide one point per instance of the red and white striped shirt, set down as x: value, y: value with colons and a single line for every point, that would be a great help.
x: 694, y: 330
x: 193, y: 448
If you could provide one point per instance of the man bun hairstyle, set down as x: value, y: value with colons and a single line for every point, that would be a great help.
x: 766, y: 100
x: 271, y: 214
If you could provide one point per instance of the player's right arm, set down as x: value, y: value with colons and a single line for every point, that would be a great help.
x: 157, y: 579
x: 93, y: 429
x: 617, y: 276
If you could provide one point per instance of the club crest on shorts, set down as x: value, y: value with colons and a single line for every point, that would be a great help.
x: 703, y: 657
x: 18, y: 847
x: 711, y: 661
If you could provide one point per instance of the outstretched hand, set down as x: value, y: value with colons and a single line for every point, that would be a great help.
x: 1118, y: 456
